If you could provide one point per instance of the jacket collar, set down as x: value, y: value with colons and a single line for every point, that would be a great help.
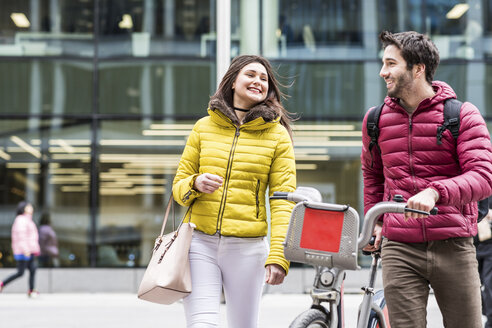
x: 258, y: 118
x: 258, y: 123
x: 261, y: 110
x: 443, y: 91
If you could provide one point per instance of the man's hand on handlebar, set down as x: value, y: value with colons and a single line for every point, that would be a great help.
x: 423, y: 201
x: 378, y: 228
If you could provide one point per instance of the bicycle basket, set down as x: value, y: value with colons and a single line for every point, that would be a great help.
x: 323, y: 234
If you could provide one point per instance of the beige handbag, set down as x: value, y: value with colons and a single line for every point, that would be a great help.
x: 167, y: 278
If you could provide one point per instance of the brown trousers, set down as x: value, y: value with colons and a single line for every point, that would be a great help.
x: 448, y: 266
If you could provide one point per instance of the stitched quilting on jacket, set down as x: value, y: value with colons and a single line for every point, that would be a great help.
x: 411, y: 161
x: 250, y: 158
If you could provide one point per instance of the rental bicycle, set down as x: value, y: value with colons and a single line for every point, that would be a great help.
x: 327, y: 236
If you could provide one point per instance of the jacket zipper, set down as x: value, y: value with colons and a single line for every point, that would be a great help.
x: 226, y: 181
x: 258, y: 199
x: 410, y: 153
x: 410, y: 150
x: 186, y: 196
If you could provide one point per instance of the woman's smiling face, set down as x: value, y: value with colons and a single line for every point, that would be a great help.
x: 251, y: 86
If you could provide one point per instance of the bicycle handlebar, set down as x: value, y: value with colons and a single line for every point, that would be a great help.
x: 376, y: 211
x: 370, y: 218
x: 300, y: 195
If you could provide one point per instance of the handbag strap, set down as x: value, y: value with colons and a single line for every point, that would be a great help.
x: 168, y: 208
x: 170, y: 204
x: 158, y: 240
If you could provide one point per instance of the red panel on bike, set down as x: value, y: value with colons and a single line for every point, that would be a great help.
x: 322, y: 230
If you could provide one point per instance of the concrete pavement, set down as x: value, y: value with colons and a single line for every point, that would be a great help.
x: 112, y: 310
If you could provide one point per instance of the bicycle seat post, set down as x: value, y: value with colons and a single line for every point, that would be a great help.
x: 366, y: 305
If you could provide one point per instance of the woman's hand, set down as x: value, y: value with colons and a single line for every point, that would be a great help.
x: 208, y: 183
x: 275, y: 274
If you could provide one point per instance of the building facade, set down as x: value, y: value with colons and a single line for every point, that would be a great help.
x: 97, y: 98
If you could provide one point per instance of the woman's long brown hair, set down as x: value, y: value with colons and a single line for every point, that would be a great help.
x: 274, y: 96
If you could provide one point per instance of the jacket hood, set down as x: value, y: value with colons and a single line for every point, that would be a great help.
x: 256, y: 124
x: 442, y: 89
x: 261, y: 110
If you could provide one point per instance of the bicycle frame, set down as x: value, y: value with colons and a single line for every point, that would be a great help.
x: 367, y: 302
x: 330, y: 264
x: 334, y: 295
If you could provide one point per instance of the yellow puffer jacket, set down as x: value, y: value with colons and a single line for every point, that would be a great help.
x: 249, y: 158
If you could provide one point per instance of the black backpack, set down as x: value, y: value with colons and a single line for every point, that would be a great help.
x: 452, y: 109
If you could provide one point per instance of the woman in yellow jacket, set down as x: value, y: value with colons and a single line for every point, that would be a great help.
x: 233, y: 155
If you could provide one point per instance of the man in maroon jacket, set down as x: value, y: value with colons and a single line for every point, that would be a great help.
x: 421, y: 251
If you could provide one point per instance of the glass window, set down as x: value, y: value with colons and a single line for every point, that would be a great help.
x: 47, y: 163
x: 455, y: 74
x: 487, y: 27
x: 138, y: 160
x: 454, y: 26
x: 487, y: 110
x: 431, y: 17
x: 45, y: 87
x: 324, y: 90
x: 144, y: 28
x: 308, y: 29
x: 46, y: 28
x: 487, y: 17
x: 180, y: 88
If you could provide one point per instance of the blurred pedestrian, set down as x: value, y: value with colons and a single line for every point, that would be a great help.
x: 241, y: 149
x: 48, y: 243
x: 25, y: 246
x: 484, y: 257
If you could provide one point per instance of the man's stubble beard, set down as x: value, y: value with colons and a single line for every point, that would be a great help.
x: 402, y: 85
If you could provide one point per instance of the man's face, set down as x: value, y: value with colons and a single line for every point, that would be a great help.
x: 398, y: 78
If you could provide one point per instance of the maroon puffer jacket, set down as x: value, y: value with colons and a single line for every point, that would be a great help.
x: 411, y: 160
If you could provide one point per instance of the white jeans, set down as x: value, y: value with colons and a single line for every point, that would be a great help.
x: 237, y: 264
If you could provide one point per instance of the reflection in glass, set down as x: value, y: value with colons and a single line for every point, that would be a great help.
x: 180, y: 88
x: 311, y: 29
x: 47, y: 163
x: 454, y: 26
x: 327, y: 48
x: 144, y: 28
x: 138, y: 160
x: 46, y: 28
x: 45, y: 87
x: 325, y: 90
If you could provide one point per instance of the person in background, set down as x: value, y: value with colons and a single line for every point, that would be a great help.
x: 483, y: 243
x: 421, y: 251
x: 232, y: 156
x: 25, y: 246
x: 48, y: 243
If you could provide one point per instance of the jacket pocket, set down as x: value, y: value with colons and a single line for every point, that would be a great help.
x: 257, y: 195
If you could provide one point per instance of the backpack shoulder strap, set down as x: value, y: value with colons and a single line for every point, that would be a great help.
x: 452, y: 108
x: 483, y: 209
x: 373, y: 125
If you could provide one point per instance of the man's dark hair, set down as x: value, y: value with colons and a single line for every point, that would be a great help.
x: 415, y: 48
